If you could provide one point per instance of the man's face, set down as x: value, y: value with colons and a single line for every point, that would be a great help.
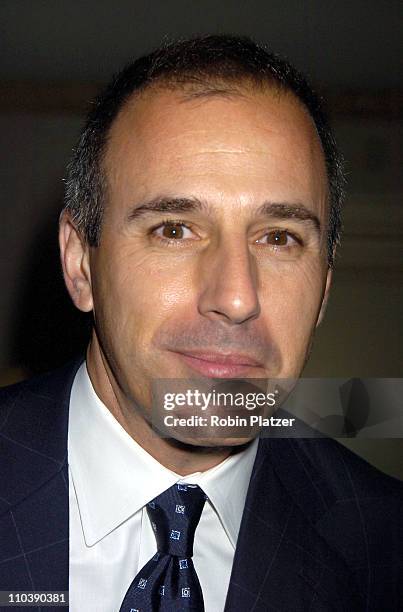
x: 212, y: 259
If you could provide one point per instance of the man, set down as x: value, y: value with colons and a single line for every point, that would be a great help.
x: 201, y: 220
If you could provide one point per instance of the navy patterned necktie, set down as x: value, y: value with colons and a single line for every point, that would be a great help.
x: 168, y: 582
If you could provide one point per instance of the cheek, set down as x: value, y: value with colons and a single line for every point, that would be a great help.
x: 291, y: 298
x: 140, y: 291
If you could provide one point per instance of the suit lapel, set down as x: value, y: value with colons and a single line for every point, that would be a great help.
x: 34, y: 509
x: 281, y: 562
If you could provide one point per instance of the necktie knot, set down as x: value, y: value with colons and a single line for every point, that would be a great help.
x: 174, y: 516
x: 169, y: 580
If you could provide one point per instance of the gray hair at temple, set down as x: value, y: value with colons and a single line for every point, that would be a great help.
x: 202, y: 66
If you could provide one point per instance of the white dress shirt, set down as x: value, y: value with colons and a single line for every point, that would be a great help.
x: 111, y: 479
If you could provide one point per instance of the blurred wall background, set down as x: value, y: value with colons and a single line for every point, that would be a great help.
x: 54, y: 56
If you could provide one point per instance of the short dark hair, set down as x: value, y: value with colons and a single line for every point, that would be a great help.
x: 205, y: 65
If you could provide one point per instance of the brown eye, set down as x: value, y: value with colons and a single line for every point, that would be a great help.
x: 172, y: 231
x: 277, y: 238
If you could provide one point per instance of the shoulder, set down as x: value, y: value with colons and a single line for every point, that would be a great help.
x: 34, y: 413
x: 361, y: 509
x: 33, y: 433
x: 43, y: 386
x: 308, y: 460
x: 348, y: 475
x: 356, y: 509
x: 354, y: 506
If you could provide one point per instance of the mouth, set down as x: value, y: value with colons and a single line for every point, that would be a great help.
x: 221, y: 365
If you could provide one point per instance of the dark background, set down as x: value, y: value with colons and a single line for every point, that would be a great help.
x: 54, y: 56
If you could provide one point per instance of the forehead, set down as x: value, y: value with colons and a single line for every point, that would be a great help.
x: 255, y: 145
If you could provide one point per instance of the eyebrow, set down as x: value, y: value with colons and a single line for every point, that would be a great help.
x: 297, y: 212
x: 168, y: 205
x: 276, y: 210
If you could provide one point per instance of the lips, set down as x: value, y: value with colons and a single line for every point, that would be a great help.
x: 220, y: 365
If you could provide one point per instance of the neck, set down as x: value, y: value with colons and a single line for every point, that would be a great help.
x: 179, y: 457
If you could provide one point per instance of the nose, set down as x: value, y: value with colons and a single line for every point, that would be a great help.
x: 229, y: 284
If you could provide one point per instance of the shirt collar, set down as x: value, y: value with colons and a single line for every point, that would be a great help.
x: 226, y: 486
x: 114, y: 477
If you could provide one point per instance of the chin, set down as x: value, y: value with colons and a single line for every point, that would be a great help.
x: 215, y: 443
x: 210, y: 439
x: 210, y: 446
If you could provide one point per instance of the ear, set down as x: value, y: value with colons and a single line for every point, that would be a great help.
x: 325, y: 297
x: 74, y: 255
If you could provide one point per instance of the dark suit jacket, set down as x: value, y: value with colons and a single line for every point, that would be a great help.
x: 321, y: 530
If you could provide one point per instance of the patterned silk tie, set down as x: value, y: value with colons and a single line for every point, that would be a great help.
x: 168, y: 582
